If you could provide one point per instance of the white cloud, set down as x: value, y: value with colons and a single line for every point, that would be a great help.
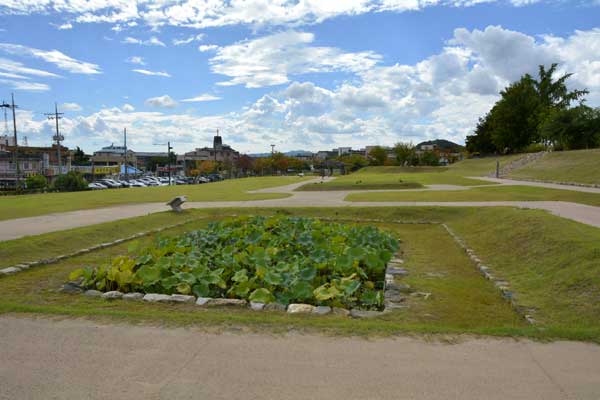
x: 189, y: 39
x: 70, y: 107
x: 200, y: 98
x: 216, y: 13
x: 128, y: 107
x: 164, y: 101
x: 442, y: 95
x: 26, y: 85
x: 55, y: 57
x: 136, y: 60
x: 152, y: 73
x: 153, y: 41
x: 270, y: 60
x: 207, y: 47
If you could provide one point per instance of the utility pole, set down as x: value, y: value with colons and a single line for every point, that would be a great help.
x: 58, y: 137
x: 15, y: 155
x: 125, y: 153
x: 169, y: 148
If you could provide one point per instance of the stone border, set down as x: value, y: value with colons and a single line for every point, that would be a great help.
x: 586, y: 185
x: 25, y: 266
x: 502, y: 285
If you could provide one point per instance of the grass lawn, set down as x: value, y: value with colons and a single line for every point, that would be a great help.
x: 550, y: 262
x: 229, y: 190
x: 491, y: 193
x: 393, y: 178
x: 580, y: 166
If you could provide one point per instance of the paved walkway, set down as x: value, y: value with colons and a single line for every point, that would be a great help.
x: 16, y: 228
x: 514, y: 182
x: 76, y: 359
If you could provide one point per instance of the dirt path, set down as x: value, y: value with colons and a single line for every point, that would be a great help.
x: 16, y: 228
x: 74, y: 359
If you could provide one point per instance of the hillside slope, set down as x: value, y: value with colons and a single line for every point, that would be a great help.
x: 577, y: 166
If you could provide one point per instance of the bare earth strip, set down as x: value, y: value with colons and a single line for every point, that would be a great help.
x: 75, y: 359
x: 16, y: 228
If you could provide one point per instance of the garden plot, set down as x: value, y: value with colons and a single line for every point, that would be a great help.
x: 437, y: 287
x: 300, y: 262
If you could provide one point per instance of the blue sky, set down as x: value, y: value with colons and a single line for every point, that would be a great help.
x: 302, y: 75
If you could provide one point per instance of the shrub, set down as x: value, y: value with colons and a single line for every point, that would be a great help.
x: 36, y: 182
x: 283, y: 259
x: 70, y: 182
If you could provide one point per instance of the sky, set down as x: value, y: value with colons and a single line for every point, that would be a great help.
x: 300, y: 74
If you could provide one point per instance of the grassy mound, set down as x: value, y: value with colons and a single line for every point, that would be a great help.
x: 579, y: 166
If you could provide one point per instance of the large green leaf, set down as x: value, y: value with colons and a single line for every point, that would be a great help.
x: 262, y: 295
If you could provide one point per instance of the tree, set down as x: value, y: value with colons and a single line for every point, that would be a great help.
x: 516, y: 120
x: 481, y: 141
x: 573, y: 128
x: 405, y: 153
x: 377, y: 155
x: 353, y: 162
x: 36, y: 182
x: 262, y: 164
x: 206, y: 166
x: 80, y: 158
x: 70, y: 182
x: 429, y: 158
x: 245, y: 163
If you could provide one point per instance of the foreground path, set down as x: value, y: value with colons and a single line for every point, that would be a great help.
x: 17, y: 228
x: 74, y: 359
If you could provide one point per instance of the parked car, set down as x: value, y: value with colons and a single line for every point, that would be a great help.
x: 96, y: 186
x: 202, y: 179
x: 110, y: 183
x: 136, y: 183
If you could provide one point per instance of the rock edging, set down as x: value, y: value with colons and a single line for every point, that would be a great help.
x: 501, y: 284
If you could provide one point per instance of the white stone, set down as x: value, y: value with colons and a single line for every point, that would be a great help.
x: 257, y: 306
x: 9, y: 271
x: 155, y: 297
x: 321, y: 310
x: 133, y: 296
x: 113, y: 294
x: 182, y: 298
x: 300, y: 308
x: 202, y: 301
x: 93, y: 293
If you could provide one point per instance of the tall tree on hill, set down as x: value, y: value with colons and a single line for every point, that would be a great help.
x: 516, y: 119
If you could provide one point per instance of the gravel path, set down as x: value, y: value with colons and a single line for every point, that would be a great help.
x: 16, y: 228
x: 77, y: 359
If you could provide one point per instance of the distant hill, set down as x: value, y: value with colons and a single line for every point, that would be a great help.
x: 291, y: 153
x: 442, y: 144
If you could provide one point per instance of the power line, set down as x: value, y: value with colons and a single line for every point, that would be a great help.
x: 58, y: 137
x: 12, y: 106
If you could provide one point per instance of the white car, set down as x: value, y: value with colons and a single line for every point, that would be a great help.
x: 136, y: 183
x: 96, y: 186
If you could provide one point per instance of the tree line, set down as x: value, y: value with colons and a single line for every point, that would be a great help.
x: 535, y: 114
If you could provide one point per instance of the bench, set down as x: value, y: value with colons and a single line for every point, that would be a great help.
x: 176, y: 203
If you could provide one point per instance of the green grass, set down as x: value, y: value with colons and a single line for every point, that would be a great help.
x: 552, y: 264
x: 393, y: 178
x: 580, y: 166
x: 481, y: 166
x: 491, y: 193
x: 229, y: 190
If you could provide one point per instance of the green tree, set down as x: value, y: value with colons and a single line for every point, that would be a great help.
x: 377, y: 156
x: 70, y: 182
x: 405, y: 153
x: 80, y: 158
x: 516, y: 120
x: 353, y: 162
x: 573, y: 128
x: 430, y: 158
x: 36, y: 182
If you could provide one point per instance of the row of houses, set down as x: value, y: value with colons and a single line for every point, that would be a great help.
x: 116, y: 159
